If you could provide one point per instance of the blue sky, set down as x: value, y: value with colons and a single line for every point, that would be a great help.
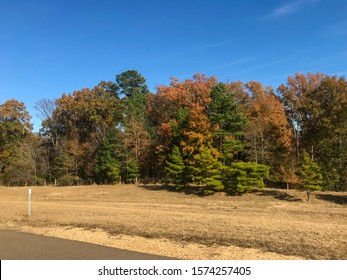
x: 52, y: 47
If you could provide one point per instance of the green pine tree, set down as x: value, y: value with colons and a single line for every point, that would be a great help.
x: 206, y: 169
x: 310, y: 175
x: 176, y: 169
x: 246, y: 176
x: 133, y: 171
x: 107, y: 169
x: 228, y: 122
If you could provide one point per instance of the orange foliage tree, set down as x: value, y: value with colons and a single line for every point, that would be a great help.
x: 267, y: 136
x: 178, y: 113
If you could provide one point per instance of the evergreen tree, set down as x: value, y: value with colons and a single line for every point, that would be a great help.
x: 133, y: 171
x: 135, y: 123
x: 309, y: 172
x: 246, y: 176
x: 107, y: 167
x: 131, y: 82
x: 227, y: 121
x: 175, y: 168
x: 206, y: 169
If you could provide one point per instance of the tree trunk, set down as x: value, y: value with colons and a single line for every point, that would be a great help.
x: 308, y: 194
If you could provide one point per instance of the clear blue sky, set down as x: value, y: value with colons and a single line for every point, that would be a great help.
x: 50, y: 47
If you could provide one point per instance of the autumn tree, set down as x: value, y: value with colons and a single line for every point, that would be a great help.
x: 268, y: 138
x: 192, y: 132
x: 49, y: 133
x: 78, y: 126
x: 293, y: 97
x: 15, y: 128
x: 324, y: 133
x: 179, y: 115
x: 28, y: 164
x: 14, y: 121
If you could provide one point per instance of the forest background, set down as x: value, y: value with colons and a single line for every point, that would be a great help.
x: 220, y: 136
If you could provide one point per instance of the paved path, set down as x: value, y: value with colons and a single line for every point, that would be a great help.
x: 27, y: 246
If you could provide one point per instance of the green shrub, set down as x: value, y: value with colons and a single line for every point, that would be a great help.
x: 246, y: 176
x: 69, y: 180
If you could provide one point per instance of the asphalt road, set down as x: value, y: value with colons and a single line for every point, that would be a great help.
x: 27, y: 246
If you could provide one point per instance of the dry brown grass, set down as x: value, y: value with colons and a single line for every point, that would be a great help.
x: 277, y: 221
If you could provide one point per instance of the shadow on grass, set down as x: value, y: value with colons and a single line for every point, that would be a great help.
x: 190, y: 190
x: 279, y: 195
x: 338, y: 199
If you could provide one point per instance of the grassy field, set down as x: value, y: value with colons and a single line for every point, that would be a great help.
x: 275, y: 221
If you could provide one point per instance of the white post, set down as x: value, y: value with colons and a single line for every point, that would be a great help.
x: 29, y: 202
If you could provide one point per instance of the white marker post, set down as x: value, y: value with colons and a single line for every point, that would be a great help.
x: 29, y: 202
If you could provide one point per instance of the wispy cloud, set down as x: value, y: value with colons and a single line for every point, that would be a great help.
x: 274, y: 62
x: 235, y: 62
x: 204, y: 47
x: 214, y: 45
x: 288, y: 9
x: 214, y: 71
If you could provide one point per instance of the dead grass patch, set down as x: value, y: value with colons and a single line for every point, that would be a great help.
x: 276, y: 224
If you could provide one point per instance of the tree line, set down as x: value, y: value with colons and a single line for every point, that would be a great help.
x: 220, y: 136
